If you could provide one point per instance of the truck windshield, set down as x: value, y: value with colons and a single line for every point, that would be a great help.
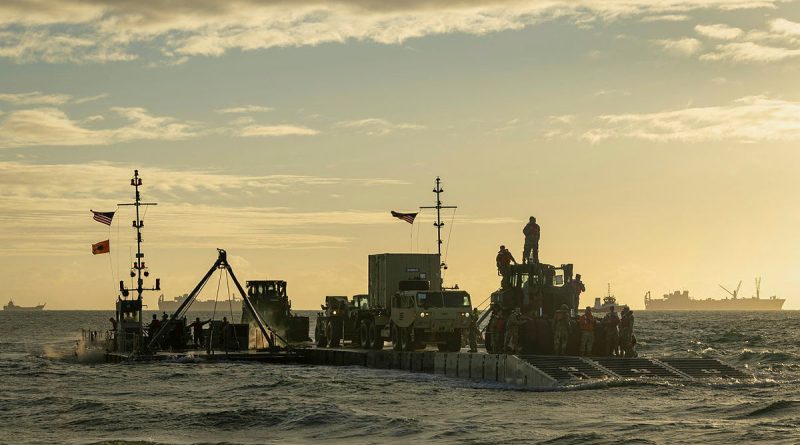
x: 443, y: 299
x: 456, y: 299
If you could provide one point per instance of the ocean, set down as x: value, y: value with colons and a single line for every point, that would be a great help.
x: 47, y: 396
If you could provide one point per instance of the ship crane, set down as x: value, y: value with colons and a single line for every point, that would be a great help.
x: 734, y: 294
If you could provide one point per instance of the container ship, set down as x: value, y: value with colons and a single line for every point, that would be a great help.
x: 13, y: 307
x: 197, y: 305
x: 680, y: 301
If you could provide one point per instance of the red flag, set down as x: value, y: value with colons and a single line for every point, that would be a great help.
x: 101, y: 247
x: 407, y: 217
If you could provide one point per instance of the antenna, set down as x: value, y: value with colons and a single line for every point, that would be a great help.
x: 139, y: 267
x: 439, y: 224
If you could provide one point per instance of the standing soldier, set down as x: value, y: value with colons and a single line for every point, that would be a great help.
x: 473, y: 331
x: 577, y: 287
x: 197, y: 330
x: 532, y: 231
x: 498, y: 331
x: 626, y: 332
x: 515, y: 320
x: 611, y: 324
x: 561, y: 330
x: 504, y: 259
x: 587, y: 322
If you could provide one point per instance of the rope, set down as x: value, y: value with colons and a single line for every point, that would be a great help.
x: 230, y: 304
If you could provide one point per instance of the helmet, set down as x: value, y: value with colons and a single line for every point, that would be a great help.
x: 564, y: 307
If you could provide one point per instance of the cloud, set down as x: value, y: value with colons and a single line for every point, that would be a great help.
x: 245, y: 109
x: 681, y: 47
x: 749, y: 52
x: 786, y: 27
x: 203, y: 209
x: 35, y: 98
x: 746, y: 120
x: 103, y: 31
x: 52, y: 127
x: 377, y: 126
x: 720, y: 31
x: 250, y: 131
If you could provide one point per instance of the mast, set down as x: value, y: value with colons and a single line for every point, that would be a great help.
x: 139, y: 268
x: 438, y: 190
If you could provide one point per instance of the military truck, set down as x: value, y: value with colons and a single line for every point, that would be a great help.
x: 270, y: 299
x: 538, y: 290
x: 406, y: 305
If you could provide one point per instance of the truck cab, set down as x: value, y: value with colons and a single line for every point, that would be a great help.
x: 422, y: 317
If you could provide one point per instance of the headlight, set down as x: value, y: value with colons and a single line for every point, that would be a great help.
x: 465, y: 314
x: 334, y: 312
x: 424, y: 314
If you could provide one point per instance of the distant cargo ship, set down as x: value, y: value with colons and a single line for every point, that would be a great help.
x: 13, y: 307
x: 197, y: 305
x: 680, y: 301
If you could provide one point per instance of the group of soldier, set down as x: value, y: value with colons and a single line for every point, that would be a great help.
x: 618, y: 332
x: 504, y: 330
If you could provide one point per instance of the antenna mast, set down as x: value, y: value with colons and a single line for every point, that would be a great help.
x: 139, y: 267
x: 438, y: 190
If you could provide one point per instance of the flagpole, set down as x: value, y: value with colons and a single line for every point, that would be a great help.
x: 412, y: 237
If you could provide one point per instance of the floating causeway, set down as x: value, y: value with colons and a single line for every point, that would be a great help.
x: 529, y: 371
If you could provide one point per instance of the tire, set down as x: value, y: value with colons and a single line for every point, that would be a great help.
x: 406, y: 339
x: 364, y: 340
x: 396, y: 342
x: 375, y: 332
x: 319, y: 335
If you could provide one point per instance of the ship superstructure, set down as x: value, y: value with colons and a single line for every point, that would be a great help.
x: 681, y: 301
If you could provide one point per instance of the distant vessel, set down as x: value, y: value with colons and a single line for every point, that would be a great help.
x: 680, y: 301
x: 608, y: 302
x: 13, y: 307
x: 197, y: 305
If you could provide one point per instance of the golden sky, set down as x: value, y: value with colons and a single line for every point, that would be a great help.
x: 655, y: 142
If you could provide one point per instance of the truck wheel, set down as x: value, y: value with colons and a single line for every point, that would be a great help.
x: 363, y: 335
x: 407, y: 340
x: 375, y: 333
x: 395, y: 331
x: 319, y: 335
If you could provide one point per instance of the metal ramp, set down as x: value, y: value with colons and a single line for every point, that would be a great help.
x: 704, y: 368
x: 638, y: 367
x: 566, y: 368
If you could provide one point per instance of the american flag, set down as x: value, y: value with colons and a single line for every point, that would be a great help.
x: 407, y: 217
x: 103, y: 217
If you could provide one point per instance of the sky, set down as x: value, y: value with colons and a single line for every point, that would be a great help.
x: 655, y: 142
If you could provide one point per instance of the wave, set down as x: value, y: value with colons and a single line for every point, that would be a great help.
x: 782, y: 407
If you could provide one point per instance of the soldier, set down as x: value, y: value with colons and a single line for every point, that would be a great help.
x: 153, y: 327
x: 576, y: 286
x: 561, y: 330
x: 587, y: 323
x: 515, y: 320
x: 611, y: 324
x: 473, y: 331
x: 504, y: 259
x: 113, y: 324
x: 626, y: 332
x: 197, y: 330
x: 498, y: 331
x: 532, y: 232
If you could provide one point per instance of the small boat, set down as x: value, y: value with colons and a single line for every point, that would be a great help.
x: 608, y: 301
x: 13, y: 307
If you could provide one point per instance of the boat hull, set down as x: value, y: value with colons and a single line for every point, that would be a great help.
x: 739, y: 304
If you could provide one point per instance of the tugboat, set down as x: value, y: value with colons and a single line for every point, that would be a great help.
x: 608, y: 302
x: 13, y: 307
